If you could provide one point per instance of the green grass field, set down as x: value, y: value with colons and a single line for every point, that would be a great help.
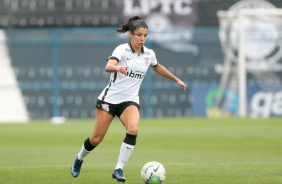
x: 193, y: 151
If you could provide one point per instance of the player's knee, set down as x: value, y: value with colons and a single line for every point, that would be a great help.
x: 133, y: 130
x: 95, y: 140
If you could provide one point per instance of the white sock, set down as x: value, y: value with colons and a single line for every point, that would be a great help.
x: 124, y: 154
x: 82, y: 153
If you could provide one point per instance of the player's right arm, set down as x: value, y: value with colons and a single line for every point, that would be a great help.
x: 114, y: 59
x: 112, y: 67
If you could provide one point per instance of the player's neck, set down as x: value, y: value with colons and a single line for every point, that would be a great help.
x: 138, y: 50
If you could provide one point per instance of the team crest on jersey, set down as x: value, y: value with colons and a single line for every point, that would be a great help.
x: 147, y: 61
x: 147, y: 53
x: 105, y: 107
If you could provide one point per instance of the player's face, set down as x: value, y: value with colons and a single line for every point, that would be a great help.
x: 138, y: 37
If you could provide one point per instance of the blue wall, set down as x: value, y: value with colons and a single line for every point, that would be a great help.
x: 61, y: 71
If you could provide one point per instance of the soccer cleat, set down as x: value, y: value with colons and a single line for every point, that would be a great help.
x: 75, y: 169
x: 118, y: 175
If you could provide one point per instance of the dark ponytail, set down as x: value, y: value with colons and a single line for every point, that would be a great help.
x: 132, y: 24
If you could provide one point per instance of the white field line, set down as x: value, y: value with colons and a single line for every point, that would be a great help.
x: 172, y: 164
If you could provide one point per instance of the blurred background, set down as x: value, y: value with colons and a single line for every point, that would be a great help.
x: 53, y: 54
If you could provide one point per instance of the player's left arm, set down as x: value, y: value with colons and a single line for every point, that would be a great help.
x: 161, y: 70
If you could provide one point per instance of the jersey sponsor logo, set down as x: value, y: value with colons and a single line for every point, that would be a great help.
x: 136, y: 75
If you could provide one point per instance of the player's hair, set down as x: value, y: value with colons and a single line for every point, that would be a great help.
x: 132, y: 24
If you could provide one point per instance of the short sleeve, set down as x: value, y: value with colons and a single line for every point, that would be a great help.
x: 154, y: 61
x: 117, y: 53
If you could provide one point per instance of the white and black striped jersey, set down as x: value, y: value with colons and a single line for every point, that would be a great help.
x: 123, y: 88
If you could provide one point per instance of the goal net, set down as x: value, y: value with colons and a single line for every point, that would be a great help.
x: 251, y: 73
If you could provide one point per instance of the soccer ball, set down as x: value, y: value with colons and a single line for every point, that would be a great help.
x: 153, y: 173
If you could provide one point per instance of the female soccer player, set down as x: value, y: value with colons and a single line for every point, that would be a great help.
x: 127, y: 65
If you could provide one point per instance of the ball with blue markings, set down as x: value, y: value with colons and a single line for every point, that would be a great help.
x: 153, y: 173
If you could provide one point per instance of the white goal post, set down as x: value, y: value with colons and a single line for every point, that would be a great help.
x: 250, y: 30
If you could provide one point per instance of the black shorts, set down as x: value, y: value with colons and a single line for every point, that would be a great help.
x: 114, y: 109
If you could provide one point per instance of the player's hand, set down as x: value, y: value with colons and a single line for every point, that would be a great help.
x: 122, y: 70
x: 182, y: 84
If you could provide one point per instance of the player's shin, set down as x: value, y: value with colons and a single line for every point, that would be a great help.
x: 126, y: 150
x: 86, y: 148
